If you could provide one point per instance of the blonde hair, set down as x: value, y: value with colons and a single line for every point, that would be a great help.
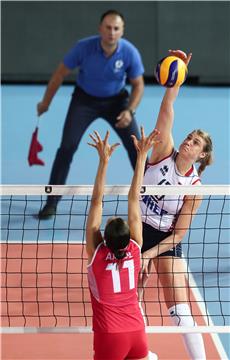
x: 208, y: 148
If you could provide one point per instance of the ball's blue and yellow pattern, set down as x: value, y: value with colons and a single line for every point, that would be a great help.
x: 171, y: 71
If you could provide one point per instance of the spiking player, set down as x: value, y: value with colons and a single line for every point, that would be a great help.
x: 114, y: 263
x: 166, y: 219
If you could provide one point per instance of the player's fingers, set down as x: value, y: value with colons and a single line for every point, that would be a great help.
x: 156, y: 131
x: 134, y: 138
x: 179, y: 53
x: 153, y: 136
x: 135, y: 141
x: 93, y: 145
x: 106, y: 137
x: 97, y: 135
x: 93, y: 138
x: 114, y: 146
x: 188, y: 58
x: 142, y: 132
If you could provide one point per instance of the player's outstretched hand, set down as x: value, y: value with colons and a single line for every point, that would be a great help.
x: 182, y: 55
x: 103, y: 148
x: 146, y: 142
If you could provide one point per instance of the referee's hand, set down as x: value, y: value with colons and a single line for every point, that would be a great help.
x: 124, y: 119
x: 42, y: 107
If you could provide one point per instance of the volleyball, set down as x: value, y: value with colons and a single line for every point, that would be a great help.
x: 171, y: 71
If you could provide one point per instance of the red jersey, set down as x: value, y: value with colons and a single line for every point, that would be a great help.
x: 113, y: 290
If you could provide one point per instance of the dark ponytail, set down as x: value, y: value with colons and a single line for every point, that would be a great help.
x: 119, y: 254
x: 117, y: 237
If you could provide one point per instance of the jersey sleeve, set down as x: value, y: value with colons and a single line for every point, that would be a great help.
x: 136, y: 67
x: 73, y: 58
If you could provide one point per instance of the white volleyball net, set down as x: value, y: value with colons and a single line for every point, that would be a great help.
x: 43, y: 263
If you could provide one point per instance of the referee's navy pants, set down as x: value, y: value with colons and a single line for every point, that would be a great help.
x: 83, y: 110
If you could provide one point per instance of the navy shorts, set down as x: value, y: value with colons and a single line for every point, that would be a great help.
x: 152, y: 237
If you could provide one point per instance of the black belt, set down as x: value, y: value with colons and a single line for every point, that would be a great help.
x: 78, y: 90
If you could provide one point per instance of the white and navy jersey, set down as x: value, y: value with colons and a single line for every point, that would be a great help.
x: 161, y: 211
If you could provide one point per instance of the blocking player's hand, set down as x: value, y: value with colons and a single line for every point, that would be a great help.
x: 146, y: 142
x: 104, y: 149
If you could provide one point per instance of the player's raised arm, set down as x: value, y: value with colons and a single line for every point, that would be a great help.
x: 134, y: 217
x: 166, y: 116
x: 93, y: 234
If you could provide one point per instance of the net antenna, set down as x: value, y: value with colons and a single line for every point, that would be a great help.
x: 43, y: 273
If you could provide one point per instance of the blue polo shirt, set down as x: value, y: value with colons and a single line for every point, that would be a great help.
x: 100, y: 75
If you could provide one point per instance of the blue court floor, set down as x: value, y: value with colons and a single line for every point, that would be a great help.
x: 196, y: 107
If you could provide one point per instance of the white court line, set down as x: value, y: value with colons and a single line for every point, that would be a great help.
x: 88, y: 330
x: 200, y: 304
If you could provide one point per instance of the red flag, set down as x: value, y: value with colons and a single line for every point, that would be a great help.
x: 35, y: 148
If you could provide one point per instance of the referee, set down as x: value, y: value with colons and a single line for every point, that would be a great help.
x: 104, y: 62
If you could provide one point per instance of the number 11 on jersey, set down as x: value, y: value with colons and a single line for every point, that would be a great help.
x: 127, y: 264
